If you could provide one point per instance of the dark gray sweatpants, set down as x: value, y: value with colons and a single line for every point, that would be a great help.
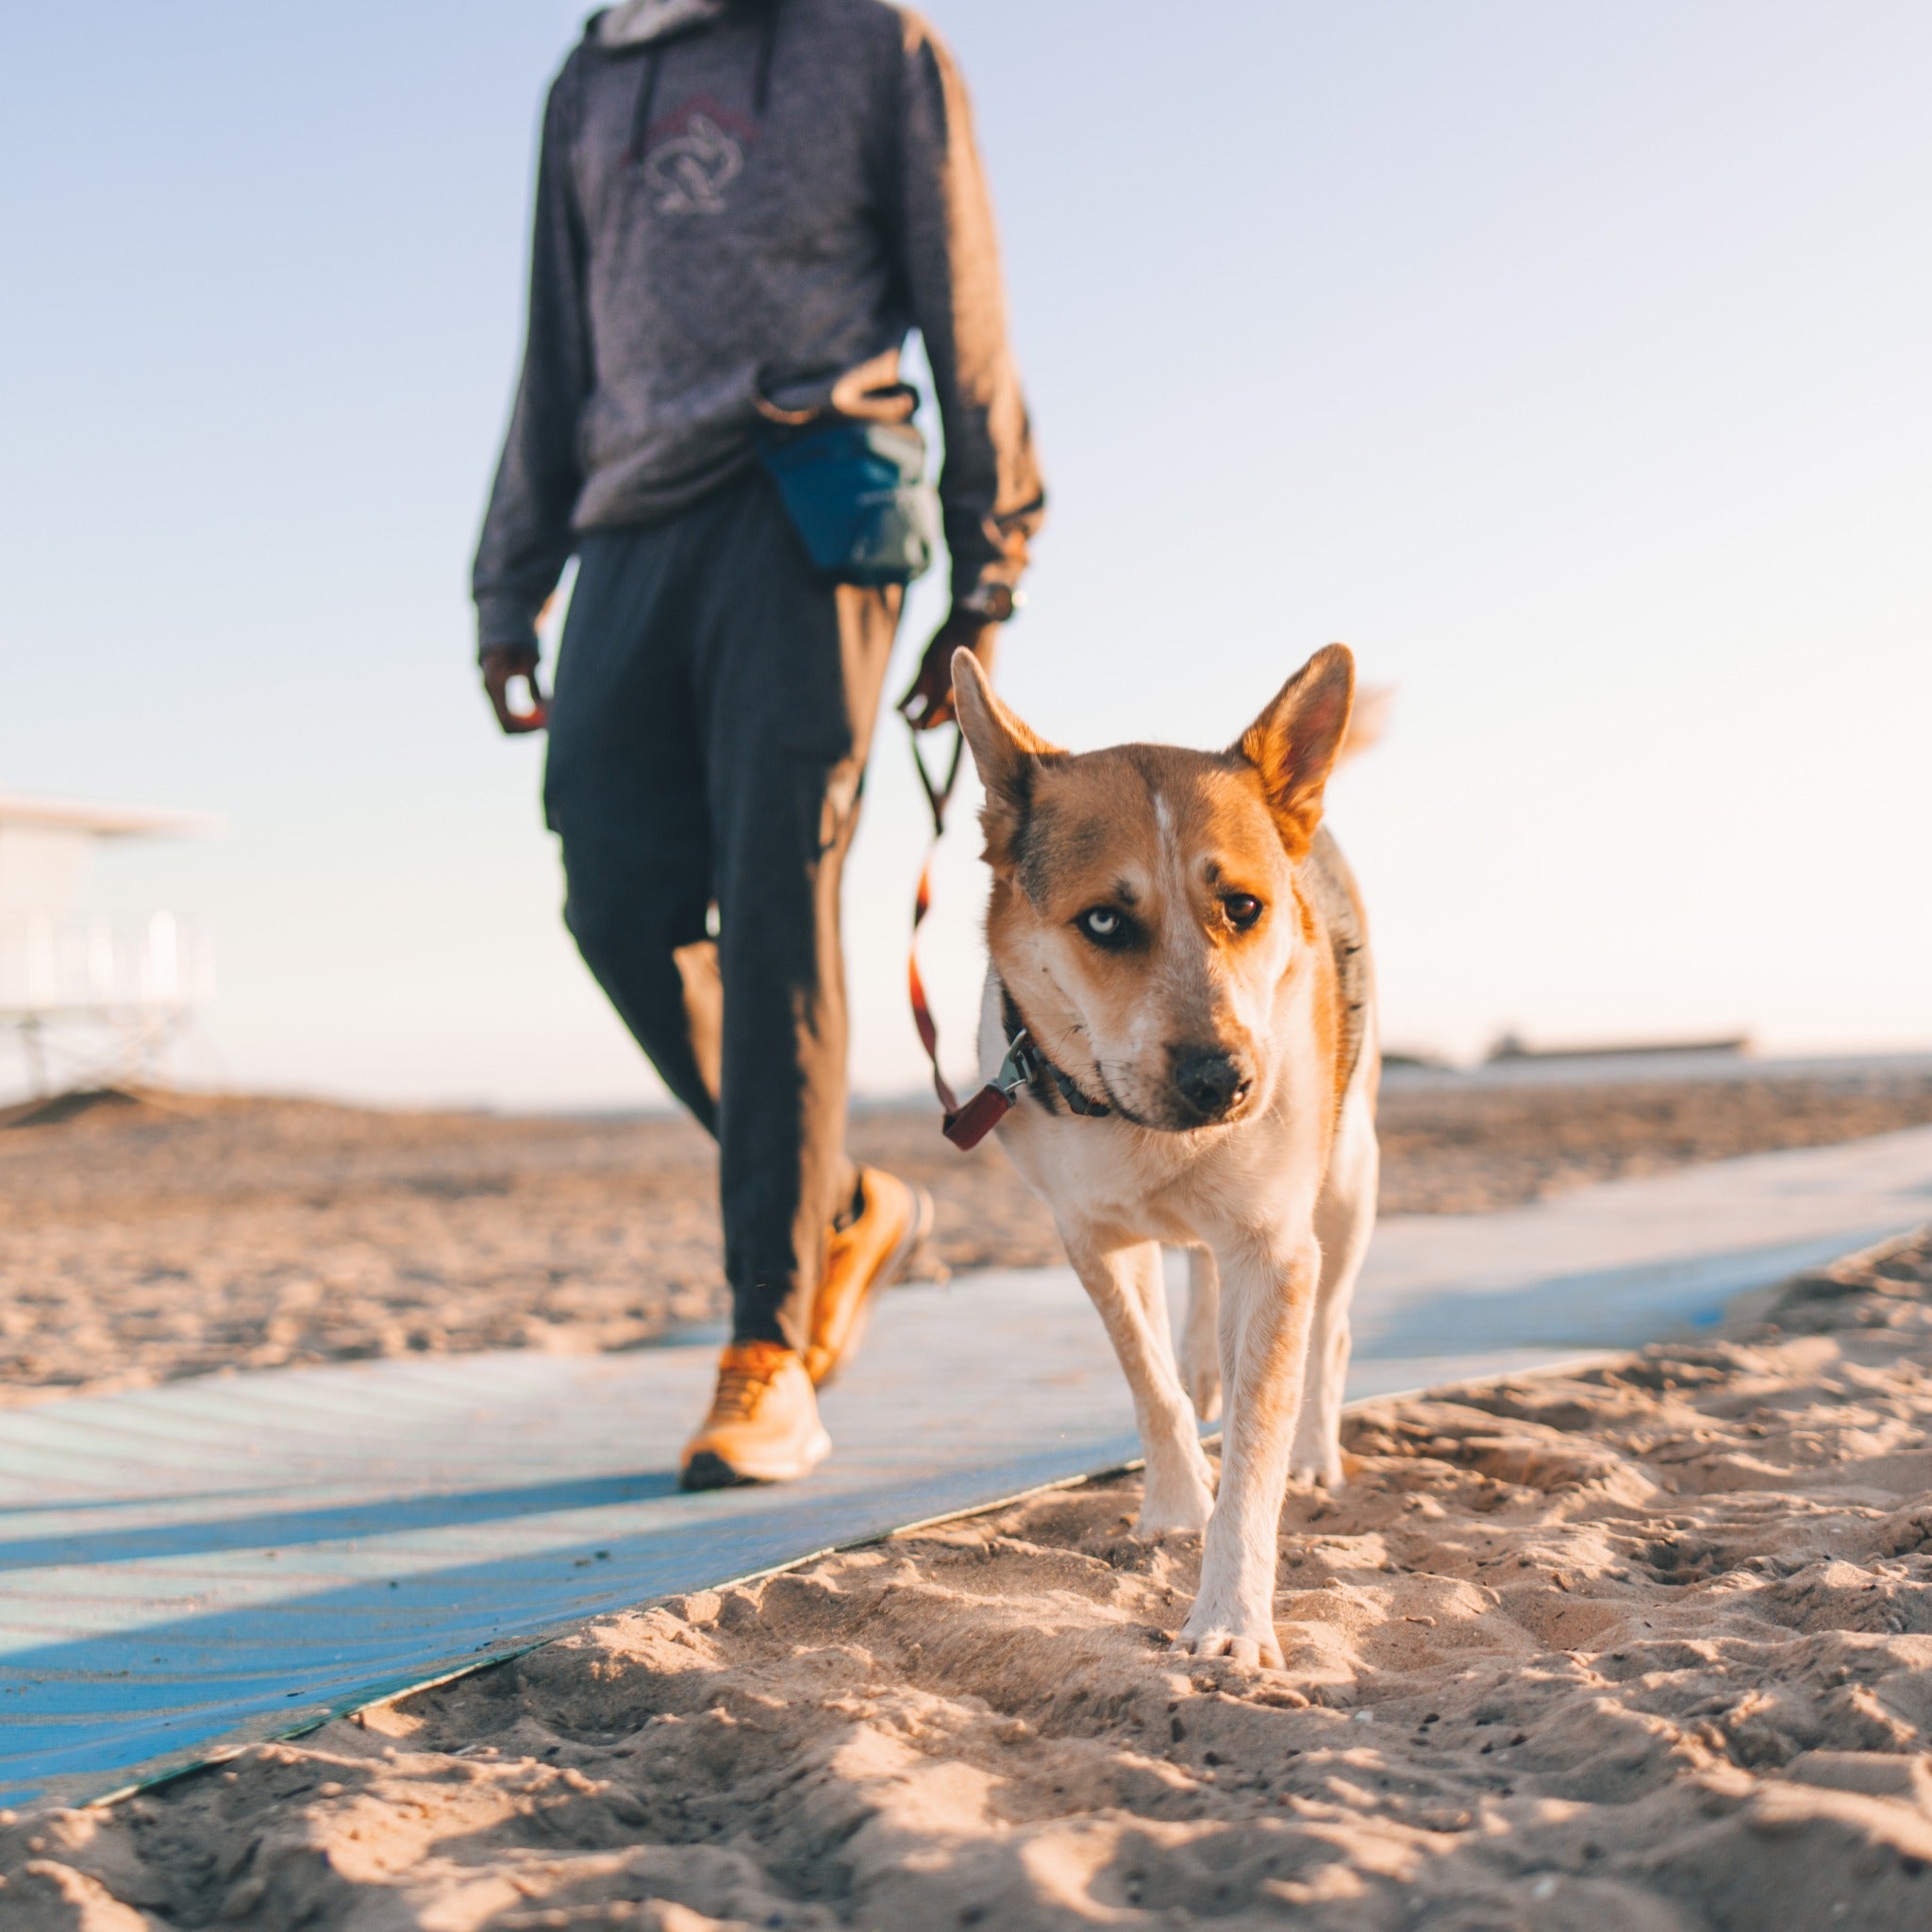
x: 715, y: 699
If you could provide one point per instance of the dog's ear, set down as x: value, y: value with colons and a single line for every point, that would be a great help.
x: 1004, y: 750
x: 1294, y: 742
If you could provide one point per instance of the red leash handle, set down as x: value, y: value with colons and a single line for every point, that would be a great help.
x: 966, y: 1125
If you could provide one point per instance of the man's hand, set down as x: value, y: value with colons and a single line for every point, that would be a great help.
x: 500, y: 663
x: 930, y: 703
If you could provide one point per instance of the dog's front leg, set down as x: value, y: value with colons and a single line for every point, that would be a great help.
x: 1344, y: 1219
x: 1266, y: 1298
x: 1201, y: 1338
x: 1126, y: 1286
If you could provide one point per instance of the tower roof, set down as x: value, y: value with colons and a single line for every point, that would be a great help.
x: 104, y: 821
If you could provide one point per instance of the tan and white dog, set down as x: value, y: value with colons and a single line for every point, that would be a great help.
x: 1180, y: 945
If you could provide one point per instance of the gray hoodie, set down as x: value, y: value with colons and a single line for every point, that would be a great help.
x: 738, y: 202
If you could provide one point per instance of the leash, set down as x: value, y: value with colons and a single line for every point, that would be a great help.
x: 964, y: 1126
x: 967, y: 1124
x: 938, y: 795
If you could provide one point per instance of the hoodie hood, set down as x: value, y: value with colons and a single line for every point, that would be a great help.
x: 637, y: 23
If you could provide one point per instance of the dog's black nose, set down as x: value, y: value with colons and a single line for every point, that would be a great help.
x: 1211, y: 1082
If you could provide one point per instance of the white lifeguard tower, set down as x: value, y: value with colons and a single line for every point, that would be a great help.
x: 88, y: 998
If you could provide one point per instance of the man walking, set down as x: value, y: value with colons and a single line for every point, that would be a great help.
x: 743, y: 207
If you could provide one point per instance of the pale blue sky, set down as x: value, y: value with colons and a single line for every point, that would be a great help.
x: 1571, y: 363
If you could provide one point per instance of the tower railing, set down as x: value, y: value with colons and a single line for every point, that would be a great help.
x: 108, y: 990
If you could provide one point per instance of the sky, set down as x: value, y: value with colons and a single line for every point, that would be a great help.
x: 1568, y: 363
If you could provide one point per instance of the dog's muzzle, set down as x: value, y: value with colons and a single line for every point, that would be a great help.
x: 1208, y: 1084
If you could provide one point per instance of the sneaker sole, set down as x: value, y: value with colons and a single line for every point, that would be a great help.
x: 708, y: 1471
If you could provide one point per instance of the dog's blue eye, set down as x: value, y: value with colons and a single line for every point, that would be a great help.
x: 1101, y: 923
x: 1242, y: 909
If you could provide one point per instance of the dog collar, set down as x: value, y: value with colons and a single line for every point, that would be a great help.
x: 1035, y: 1062
x: 1025, y: 1065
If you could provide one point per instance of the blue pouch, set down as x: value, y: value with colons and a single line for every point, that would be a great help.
x: 856, y: 493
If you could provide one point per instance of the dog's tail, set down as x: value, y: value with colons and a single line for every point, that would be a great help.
x: 1368, y: 722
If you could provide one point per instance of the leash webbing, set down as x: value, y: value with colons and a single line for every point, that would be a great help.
x: 965, y: 1126
x: 938, y: 795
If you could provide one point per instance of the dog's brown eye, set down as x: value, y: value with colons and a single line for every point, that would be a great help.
x: 1242, y: 909
x: 1103, y: 925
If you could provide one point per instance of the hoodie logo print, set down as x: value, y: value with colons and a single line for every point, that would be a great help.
x: 688, y: 174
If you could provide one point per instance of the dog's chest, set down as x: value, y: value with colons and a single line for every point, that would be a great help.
x: 1173, y: 1188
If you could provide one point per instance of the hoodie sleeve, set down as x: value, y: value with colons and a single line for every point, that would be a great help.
x: 990, y: 488
x: 526, y: 537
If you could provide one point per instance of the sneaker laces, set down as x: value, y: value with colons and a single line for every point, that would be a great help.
x: 745, y: 1374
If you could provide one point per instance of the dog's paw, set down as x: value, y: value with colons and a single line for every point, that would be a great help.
x: 1316, y: 1460
x: 1174, y: 1510
x: 1317, y: 1472
x: 1246, y: 1640
x: 1152, y: 1525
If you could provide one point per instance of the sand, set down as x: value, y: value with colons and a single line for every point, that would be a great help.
x: 1647, y: 1646
x: 181, y: 1236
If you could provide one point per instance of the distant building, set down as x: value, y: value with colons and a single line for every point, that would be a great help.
x: 88, y: 998
x: 1511, y: 1046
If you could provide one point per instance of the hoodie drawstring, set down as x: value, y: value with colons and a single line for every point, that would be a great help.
x: 640, y: 114
x: 647, y: 82
x: 761, y: 80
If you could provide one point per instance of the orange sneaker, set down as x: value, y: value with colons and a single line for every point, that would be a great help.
x: 764, y: 1422
x: 870, y: 1255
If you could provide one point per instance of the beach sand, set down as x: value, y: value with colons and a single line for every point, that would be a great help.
x: 1646, y: 1646
x: 181, y: 1235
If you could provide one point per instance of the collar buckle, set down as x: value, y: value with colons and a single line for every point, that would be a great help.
x: 1019, y: 1068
